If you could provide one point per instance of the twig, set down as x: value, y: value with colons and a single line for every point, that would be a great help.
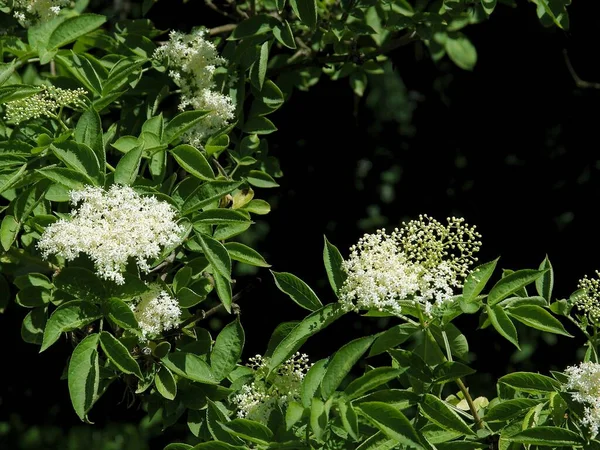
x: 215, y: 8
x: 222, y: 29
x: 578, y: 81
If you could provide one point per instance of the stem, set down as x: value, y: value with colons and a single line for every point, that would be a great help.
x: 462, y: 386
x: 109, y: 167
x: 252, y: 7
x: 222, y: 29
x: 578, y: 81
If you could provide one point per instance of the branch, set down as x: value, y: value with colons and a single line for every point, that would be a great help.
x: 358, y: 58
x: 222, y: 29
x: 578, y: 81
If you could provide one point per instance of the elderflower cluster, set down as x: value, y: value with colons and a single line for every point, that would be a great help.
x: 423, y: 261
x: 584, y: 384
x: 193, y: 61
x: 589, y: 300
x: 30, y: 12
x: 258, y: 399
x: 156, y: 312
x: 45, y: 103
x: 111, y: 227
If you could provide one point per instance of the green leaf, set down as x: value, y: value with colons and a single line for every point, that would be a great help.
x: 477, y: 279
x: 121, y: 314
x: 333, y: 265
x: 538, y: 318
x: 547, y: 437
x: 84, y: 376
x: 178, y: 446
x: 378, y: 441
x: 503, y: 325
x: 33, y: 296
x: 261, y: 179
x: 553, y: 12
x: 88, y: 131
x: 370, y: 380
x: 193, y: 161
x: 188, y: 298
x: 318, y: 417
x: 243, y: 253
x: 181, y: 123
x: 545, y: 283
x: 165, y: 383
x: 259, y: 125
x: 223, y: 288
x: 509, y: 409
x: 9, y: 182
x: 306, y: 10
x: 312, y: 381
x: 283, y: 33
x: 393, y: 337
x: 293, y: 414
x: 189, y: 366
x: 216, y: 144
x: 67, y: 177
x: 119, y: 355
x: 254, y: 26
x: 216, y: 254
x: 461, y: 51
x: 443, y: 415
x: 450, y: 371
x: 214, y: 418
x: 281, y: 331
x: 488, y: 6
x: 227, y: 350
x: 32, y: 328
x: 73, y: 28
x: 310, y: 326
x: 297, y: 290
x: 219, y: 216
x: 80, y: 283
x: 128, y: 167
x: 67, y: 317
x: 342, y: 361
x: 349, y: 419
x: 249, y: 430
x: 533, y: 383
x: 207, y: 193
x: 259, y: 68
x: 392, y: 423
x: 8, y: 232
x: 512, y: 283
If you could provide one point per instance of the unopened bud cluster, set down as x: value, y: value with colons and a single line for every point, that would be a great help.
x: 111, y: 227
x: 423, y: 261
x: 193, y: 61
x: 258, y: 399
x: 156, y: 312
x: 589, y: 300
x: 45, y: 103
x: 30, y: 12
x: 584, y: 385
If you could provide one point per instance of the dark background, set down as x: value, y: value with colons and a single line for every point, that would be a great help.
x: 511, y: 146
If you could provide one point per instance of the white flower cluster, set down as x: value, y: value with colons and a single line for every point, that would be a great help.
x: 44, y: 103
x: 258, y: 399
x: 111, y: 227
x: 156, y: 312
x: 584, y: 384
x: 589, y: 301
x: 29, y: 12
x: 423, y: 261
x: 193, y: 61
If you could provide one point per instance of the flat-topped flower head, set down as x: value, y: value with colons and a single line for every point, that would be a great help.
x: 156, y: 312
x: 258, y: 399
x: 423, y: 261
x: 584, y: 385
x: 45, y: 103
x: 193, y: 60
x: 30, y: 12
x: 589, y: 299
x: 111, y: 227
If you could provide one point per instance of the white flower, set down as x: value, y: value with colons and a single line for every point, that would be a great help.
x: 193, y: 61
x: 423, y: 261
x: 29, y: 12
x: 44, y: 103
x: 258, y: 399
x: 584, y: 382
x: 111, y: 227
x: 156, y: 312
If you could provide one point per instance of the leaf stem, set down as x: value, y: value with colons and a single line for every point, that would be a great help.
x: 462, y: 386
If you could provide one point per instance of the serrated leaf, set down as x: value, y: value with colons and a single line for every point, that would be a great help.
x: 128, y: 167
x: 67, y: 317
x: 73, y: 28
x: 547, y: 437
x: 207, y: 193
x: 165, y: 383
x: 249, y: 430
x: 370, y: 380
x: 533, y: 383
x: 545, y: 283
x: 193, y: 161
x: 84, y: 376
x: 333, y: 265
x: 538, y: 318
x: 243, y: 253
x: 443, y: 415
x: 306, y: 10
x: 180, y: 124
x: 227, y: 349
x: 216, y: 254
x: 297, y: 290
x: 121, y: 314
x: 189, y: 366
x: 509, y: 409
x: 392, y: 423
x: 503, y: 325
x: 283, y: 33
x: 119, y: 355
x: 512, y: 283
x: 477, y: 279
